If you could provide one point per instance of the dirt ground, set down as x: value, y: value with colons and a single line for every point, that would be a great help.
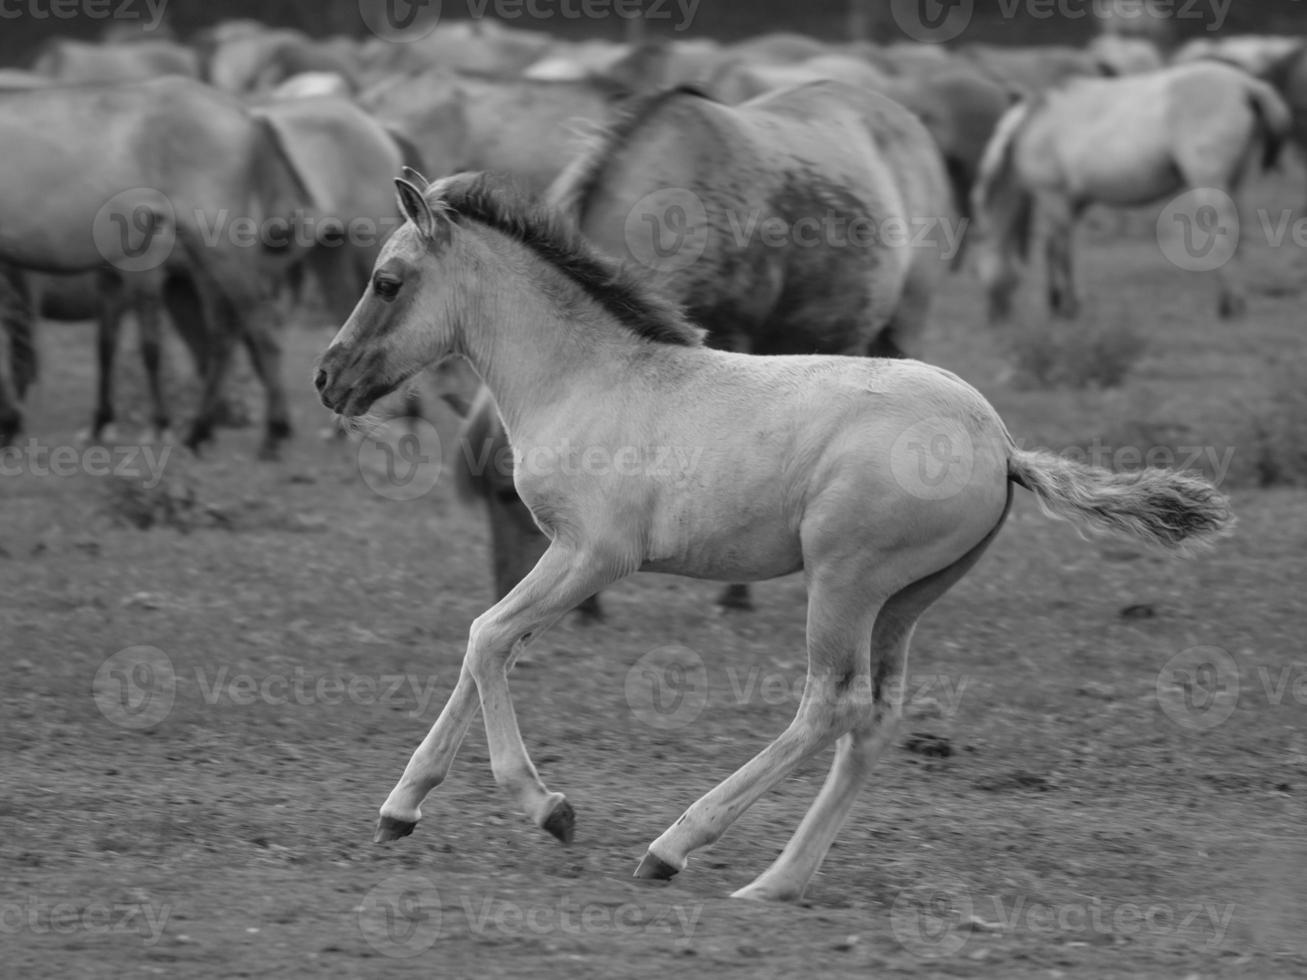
x: 1102, y: 773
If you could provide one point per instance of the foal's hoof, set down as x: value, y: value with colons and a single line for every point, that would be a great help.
x: 388, y: 829
x: 762, y: 893
x: 655, y: 868
x: 270, y: 452
x: 561, y: 821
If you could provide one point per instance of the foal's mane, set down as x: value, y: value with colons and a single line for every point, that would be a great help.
x: 583, y: 180
x: 495, y: 203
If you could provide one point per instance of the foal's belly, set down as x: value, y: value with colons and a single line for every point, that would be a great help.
x: 743, y: 548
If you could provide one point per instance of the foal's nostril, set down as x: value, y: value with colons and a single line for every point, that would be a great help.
x: 320, y: 379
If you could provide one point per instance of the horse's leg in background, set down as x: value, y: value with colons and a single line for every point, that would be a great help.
x: 1007, y: 248
x: 221, y: 326
x: 146, y: 297
x: 1060, y: 217
x: 856, y: 753
x: 1232, y: 301
x: 109, y: 325
x: 16, y: 315
x: 182, y: 300
x: 237, y: 302
x: 561, y: 579
x: 265, y: 355
x: 1214, y: 211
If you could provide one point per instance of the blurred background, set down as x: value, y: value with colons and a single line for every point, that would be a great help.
x: 998, y: 21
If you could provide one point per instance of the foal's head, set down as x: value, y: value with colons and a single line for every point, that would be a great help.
x: 403, y: 321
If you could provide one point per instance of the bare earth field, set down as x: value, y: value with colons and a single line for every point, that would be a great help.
x: 1102, y: 773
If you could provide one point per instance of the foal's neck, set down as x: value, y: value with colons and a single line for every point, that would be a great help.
x: 534, y: 335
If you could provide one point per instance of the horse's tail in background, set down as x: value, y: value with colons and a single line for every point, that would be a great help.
x: 1167, y: 509
x: 1274, y: 119
x: 998, y: 174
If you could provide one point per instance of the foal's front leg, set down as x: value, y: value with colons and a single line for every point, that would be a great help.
x: 564, y: 576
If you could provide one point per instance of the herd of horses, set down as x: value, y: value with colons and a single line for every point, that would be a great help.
x: 552, y: 279
x: 178, y: 141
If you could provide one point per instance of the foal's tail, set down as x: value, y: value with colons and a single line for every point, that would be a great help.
x: 1167, y: 509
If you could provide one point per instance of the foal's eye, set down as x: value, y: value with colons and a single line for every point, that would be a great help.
x: 386, y: 287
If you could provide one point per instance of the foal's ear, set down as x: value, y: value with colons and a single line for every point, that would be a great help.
x: 433, y: 227
x: 415, y: 178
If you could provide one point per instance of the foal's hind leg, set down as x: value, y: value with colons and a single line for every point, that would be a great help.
x: 842, y: 606
x: 856, y: 753
x: 1058, y: 243
x: 562, y: 579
